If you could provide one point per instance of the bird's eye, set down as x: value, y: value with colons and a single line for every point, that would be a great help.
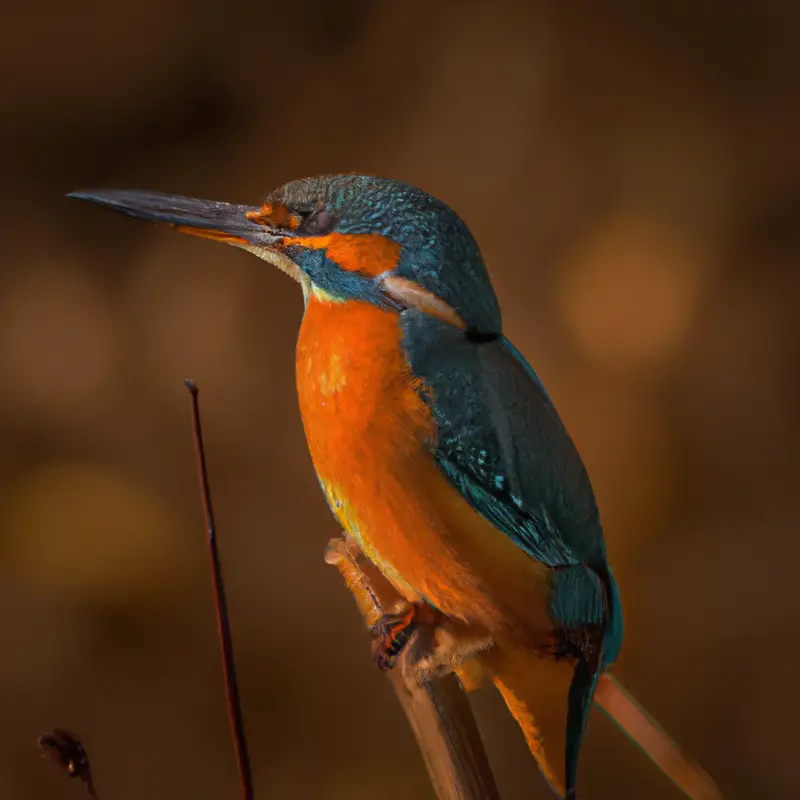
x: 316, y: 222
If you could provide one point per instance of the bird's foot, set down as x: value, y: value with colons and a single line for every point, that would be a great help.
x: 441, y: 645
x: 393, y: 632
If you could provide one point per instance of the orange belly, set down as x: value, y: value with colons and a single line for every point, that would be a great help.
x: 369, y: 432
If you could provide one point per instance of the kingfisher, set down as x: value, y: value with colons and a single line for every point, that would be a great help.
x: 440, y: 452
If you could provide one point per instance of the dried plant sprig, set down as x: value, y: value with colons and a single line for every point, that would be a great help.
x: 220, y: 601
x: 66, y: 750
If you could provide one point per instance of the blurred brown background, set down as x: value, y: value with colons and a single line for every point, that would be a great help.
x: 632, y: 175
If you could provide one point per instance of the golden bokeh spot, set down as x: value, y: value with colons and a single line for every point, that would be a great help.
x: 628, y: 292
x: 89, y: 534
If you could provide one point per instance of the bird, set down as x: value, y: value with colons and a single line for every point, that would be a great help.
x: 440, y: 452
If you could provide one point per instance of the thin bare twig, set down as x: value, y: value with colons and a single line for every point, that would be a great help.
x: 220, y: 601
x: 438, y: 712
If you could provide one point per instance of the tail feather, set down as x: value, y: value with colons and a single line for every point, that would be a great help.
x: 535, y: 691
x: 581, y: 690
x: 551, y: 700
x: 690, y: 778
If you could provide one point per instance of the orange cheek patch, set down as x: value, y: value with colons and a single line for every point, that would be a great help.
x: 276, y: 216
x: 367, y: 253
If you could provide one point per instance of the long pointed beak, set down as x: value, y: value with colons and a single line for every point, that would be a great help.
x: 209, y: 219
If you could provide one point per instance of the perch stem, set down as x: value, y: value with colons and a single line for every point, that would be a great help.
x: 438, y: 711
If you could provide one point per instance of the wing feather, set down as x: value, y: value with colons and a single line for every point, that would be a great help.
x: 502, y: 444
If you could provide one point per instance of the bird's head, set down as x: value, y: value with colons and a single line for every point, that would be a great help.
x: 344, y: 237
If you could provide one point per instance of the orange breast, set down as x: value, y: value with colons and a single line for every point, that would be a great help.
x: 370, y: 433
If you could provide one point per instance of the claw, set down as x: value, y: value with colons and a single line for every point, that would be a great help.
x: 393, y: 632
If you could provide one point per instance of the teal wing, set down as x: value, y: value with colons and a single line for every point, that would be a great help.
x: 502, y: 444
